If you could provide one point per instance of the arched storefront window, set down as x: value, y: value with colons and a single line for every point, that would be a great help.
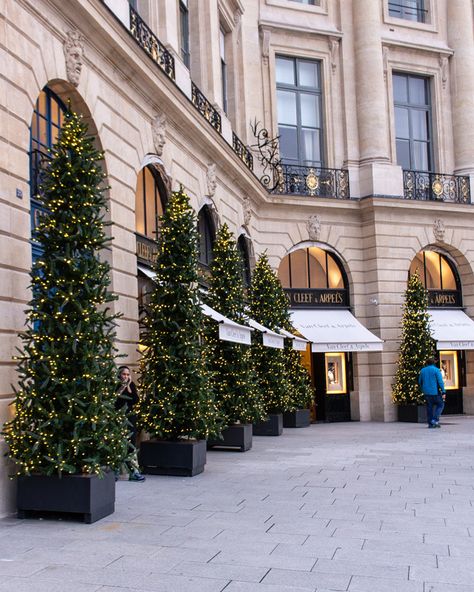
x: 243, y: 246
x: 439, y: 277
x: 47, y: 120
x: 207, y: 236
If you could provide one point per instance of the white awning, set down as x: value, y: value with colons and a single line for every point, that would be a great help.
x: 146, y: 271
x: 334, y: 330
x: 270, y: 338
x: 228, y: 330
x: 452, y: 328
x: 298, y: 343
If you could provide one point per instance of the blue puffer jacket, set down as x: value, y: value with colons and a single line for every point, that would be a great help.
x: 430, y: 380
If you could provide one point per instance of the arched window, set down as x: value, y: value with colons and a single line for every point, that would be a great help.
x: 47, y: 120
x: 149, y: 202
x: 207, y: 236
x: 244, y: 251
x: 439, y: 276
x: 311, y: 268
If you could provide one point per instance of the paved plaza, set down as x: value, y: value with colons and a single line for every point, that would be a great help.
x: 362, y: 507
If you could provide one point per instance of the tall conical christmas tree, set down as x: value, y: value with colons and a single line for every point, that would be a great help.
x: 417, y: 344
x: 176, y: 399
x: 269, y: 363
x: 234, y: 381
x: 65, y: 419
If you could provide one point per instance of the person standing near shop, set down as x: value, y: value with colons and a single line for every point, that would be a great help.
x: 127, y: 397
x: 432, y: 386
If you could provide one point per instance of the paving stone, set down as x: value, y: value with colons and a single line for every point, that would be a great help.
x: 370, y: 584
x: 242, y: 573
x: 307, y: 579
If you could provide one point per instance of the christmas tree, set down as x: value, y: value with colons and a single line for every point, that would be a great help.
x: 416, y: 346
x: 65, y: 419
x: 176, y: 399
x: 234, y: 381
x: 266, y: 307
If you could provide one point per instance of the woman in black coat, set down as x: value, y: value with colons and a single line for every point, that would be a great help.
x: 127, y: 397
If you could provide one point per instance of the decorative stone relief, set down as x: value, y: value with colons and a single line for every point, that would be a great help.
x: 73, y: 52
x: 211, y: 179
x: 247, y: 210
x: 265, y: 46
x: 158, y: 130
x: 439, y: 230
x: 443, y: 63
x: 334, y: 52
x: 314, y: 227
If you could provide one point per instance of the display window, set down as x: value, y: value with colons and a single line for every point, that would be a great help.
x: 336, y: 382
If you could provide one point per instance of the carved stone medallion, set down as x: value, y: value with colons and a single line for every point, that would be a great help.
x: 314, y: 227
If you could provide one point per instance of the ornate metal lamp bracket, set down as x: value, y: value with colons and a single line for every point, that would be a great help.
x: 267, y: 151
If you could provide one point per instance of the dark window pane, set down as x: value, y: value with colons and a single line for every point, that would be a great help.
x: 403, y: 154
x: 288, y: 143
x: 420, y: 156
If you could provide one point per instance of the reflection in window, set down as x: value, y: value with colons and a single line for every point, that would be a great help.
x: 299, y: 105
x: 410, y: 10
x: 148, y: 204
x: 412, y: 122
x: 311, y: 268
x: 207, y: 236
x: 435, y: 271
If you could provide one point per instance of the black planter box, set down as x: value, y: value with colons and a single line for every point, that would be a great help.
x: 273, y: 426
x: 183, y: 458
x: 300, y: 418
x: 412, y: 413
x: 87, y: 497
x: 235, y: 437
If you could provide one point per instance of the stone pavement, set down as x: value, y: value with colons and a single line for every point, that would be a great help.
x: 362, y: 507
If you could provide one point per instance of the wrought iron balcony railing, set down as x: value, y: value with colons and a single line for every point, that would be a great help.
x: 151, y: 44
x: 312, y: 181
x: 424, y: 186
x: 242, y: 151
x: 205, y: 108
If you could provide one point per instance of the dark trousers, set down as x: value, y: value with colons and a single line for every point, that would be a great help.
x: 434, y: 408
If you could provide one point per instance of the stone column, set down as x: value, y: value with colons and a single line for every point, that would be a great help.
x: 377, y: 175
x: 460, y: 39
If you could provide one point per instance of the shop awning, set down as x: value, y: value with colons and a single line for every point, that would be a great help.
x: 452, y: 329
x: 228, y: 330
x: 334, y: 330
x: 146, y: 271
x: 270, y: 338
x: 298, y: 343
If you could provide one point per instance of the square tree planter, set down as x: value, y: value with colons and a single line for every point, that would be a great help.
x: 88, y: 497
x: 272, y: 426
x: 236, y: 437
x: 182, y: 458
x: 412, y: 413
x: 299, y: 418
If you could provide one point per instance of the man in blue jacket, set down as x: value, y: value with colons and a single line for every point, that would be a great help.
x: 432, y: 387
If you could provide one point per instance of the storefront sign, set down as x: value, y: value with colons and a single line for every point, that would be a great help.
x: 234, y: 334
x: 443, y: 298
x: 301, y: 298
x: 147, y: 250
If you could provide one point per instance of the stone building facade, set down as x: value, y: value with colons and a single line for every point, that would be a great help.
x: 373, y: 102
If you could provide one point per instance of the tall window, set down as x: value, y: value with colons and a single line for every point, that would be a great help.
x: 410, y: 10
x: 48, y: 117
x: 222, y: 36
x: 435, y: 271
x: 311, y: 268
x: 148, y: 203
x: 184, y: 31
x: 207, y: 236
x: 312, y: 2
x: 411, y: 97
x: 299, y: 111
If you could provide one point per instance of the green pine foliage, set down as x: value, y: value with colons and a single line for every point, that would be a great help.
x: 65, y: 421
x: 234, y: 381
x: 269, y: 363
x: 176, y: 399
x: 416, y: 346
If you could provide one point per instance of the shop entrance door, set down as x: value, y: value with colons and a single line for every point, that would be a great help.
x: 330, y: 372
